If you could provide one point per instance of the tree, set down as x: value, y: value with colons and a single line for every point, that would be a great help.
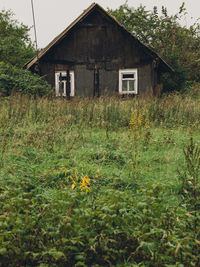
x: 178, y: 45
x: 16, y: 47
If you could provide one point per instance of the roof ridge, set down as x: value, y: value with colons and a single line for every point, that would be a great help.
x: 44, y: 50
x: 79, y: 18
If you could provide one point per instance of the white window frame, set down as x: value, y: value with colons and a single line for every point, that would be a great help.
x: 128, y: 71
x: 72, y: 84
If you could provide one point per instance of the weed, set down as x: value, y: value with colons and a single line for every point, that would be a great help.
x: 115, y: 202
x: 190, y: 188
x: 191, y: 176
x: 76, y: 181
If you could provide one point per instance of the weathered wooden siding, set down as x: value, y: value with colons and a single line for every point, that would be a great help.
x: 48, y: 71
x: 109, y: 84
x: 84, y: 81
x: 145, y: 80
x: 97, y: 41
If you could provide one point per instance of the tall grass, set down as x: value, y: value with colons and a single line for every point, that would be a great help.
x: 129, y: 213
x: 43, y: 122
x: 102, y: 112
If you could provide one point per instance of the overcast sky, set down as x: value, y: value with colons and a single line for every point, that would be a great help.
x: 53, y: 16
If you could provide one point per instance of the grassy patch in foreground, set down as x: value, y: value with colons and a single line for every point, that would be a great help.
x: 137, y: 211
x: 118, y: 156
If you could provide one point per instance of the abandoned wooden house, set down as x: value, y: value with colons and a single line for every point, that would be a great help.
x: 96, y: 55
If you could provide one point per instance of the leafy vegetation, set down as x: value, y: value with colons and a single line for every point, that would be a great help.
x: 95, y: 183
x: 177, y: 44
x: 13, y: 79
x: 108, y: 182
x: 16, y: 47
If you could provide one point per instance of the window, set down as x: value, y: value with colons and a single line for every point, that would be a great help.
x: 128, y: 81
x: 61, y: 82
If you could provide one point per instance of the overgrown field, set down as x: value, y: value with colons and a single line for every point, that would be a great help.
x: 105, y: 182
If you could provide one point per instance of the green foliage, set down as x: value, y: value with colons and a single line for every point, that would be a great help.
x: 177, y: 44
x: 132, y: 215
x: 16, y: 47
x: 13, y: 80
x: 190, y: 189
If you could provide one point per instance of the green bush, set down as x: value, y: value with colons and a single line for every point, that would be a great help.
x: 62, y: 227
x: 13, y: 79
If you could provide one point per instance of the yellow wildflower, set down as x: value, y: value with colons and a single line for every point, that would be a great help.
x: 85, y: 183
x: 76, y: 176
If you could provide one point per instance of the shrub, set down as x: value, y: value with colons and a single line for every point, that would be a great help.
x: 13, y: 79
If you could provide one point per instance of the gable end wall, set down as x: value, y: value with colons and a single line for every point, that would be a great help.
x: 98, y: 42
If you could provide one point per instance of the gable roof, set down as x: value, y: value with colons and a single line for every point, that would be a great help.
x: 85, y: 13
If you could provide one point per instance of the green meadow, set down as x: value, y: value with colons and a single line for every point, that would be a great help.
x: 102, y: 182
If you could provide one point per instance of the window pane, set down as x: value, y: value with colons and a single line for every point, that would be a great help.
x: 128, y: 76
x: 61, y: 87
x: 131, y: 85
x: 124, y: 85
